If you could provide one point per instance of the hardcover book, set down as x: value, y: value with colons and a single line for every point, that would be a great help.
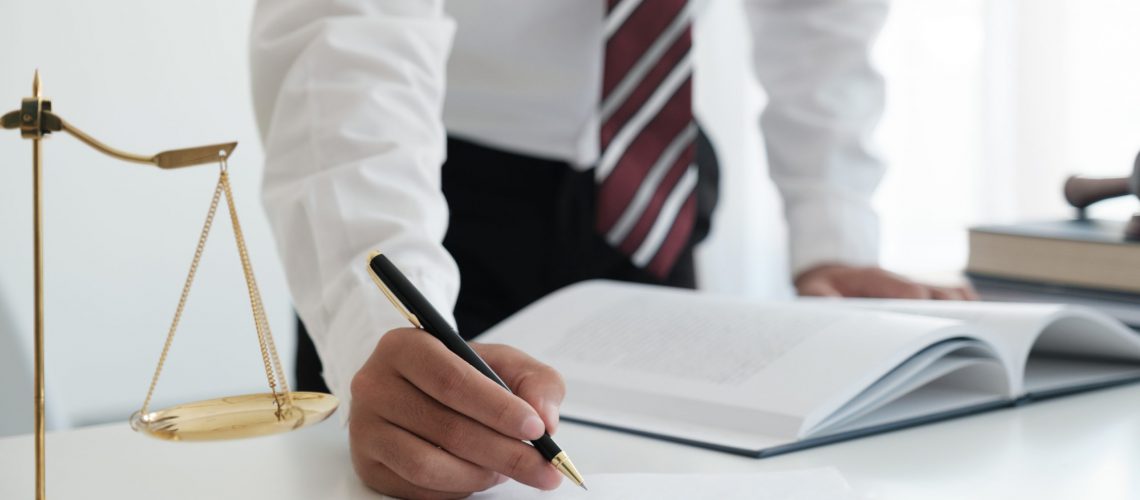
x: 760, y: 378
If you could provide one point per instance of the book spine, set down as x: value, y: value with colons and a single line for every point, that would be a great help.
x: 1057, y: 262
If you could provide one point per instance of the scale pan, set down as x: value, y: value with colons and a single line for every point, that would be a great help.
x: 234, y: 417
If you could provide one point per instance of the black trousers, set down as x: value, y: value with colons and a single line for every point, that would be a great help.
x: 522, y: 227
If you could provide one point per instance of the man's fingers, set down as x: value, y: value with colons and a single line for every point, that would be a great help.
x: 817, y: 288
x: 470, y: 440
x: 890, y: 285
x: 875, y: 282
x: 946, y: 293
x: 530, y: 379
x: 415, y: 427
x: 833, y: 280
x: 420, y: 463
x: 381, y: 478
x: 448, y: 379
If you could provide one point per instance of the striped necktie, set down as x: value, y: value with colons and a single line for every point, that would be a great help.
x: 646, y: 176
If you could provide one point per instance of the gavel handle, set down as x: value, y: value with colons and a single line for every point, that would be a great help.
x: 1132, y: 229
x: 1081, y: 192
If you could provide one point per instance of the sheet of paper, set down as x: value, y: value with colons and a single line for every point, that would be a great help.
x: 805, y: 484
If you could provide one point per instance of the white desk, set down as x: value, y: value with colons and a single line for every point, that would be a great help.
x: 1085, y: 446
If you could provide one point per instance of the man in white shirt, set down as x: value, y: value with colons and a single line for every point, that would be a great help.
x: 571, y: 153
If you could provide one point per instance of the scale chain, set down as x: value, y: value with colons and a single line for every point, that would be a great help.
x: 264, y: 335
x: 185, y: 295
x: 270, y: 359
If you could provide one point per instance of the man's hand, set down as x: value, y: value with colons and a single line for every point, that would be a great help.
x: 833, y: 280
x: 425, y: 424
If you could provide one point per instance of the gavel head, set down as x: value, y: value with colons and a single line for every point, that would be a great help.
x: 1081, y: 192
x: 1134, y: 180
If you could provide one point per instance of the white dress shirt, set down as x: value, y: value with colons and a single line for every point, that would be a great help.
x: 355, y: 98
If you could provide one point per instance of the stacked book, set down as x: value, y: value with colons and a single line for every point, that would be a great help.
x: 1082, y: 261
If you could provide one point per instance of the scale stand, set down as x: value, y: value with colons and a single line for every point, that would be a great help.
x: 232, y: 417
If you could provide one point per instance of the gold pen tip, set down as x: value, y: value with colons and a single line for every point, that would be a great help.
x: 566, y: 467
x: 36, y: 84
x: 583, y: 485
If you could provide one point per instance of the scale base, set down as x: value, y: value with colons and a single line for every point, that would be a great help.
x: 234, y: 417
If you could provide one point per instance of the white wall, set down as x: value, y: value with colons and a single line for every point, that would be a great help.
x: 991, y: 105
x: 143, y: 76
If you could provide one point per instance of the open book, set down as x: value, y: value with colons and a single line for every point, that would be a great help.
x: 760, y: 378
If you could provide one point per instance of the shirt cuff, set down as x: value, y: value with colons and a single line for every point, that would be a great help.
x: 832, y: 230
x: 363, y: 316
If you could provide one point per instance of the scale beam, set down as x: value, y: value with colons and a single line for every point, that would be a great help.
x: 35, y: 120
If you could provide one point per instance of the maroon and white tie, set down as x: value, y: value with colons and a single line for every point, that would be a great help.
x: 646, y: 175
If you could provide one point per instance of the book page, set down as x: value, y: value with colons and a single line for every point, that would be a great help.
x: 1018, y: 324
x: 730, y: 364
x: 1045, y: 374
x: 1030, y: 334
x: 966, y: 365
x: 807, y: 484
x: 680, y: 344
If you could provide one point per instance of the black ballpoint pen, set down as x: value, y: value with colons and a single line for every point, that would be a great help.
x: 412, y: 304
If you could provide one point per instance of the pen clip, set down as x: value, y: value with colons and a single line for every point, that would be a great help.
x: 415, y: 321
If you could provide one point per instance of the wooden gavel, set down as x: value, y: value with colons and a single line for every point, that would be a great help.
x: 1081, y: 192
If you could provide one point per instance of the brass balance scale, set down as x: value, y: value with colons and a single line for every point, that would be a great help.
x: 278, y: 410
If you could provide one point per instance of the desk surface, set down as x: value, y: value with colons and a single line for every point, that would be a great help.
x: 1085, y: 446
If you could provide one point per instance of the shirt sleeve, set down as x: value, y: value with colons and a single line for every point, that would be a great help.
x: 349, y: 98
x: 825, y: 99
